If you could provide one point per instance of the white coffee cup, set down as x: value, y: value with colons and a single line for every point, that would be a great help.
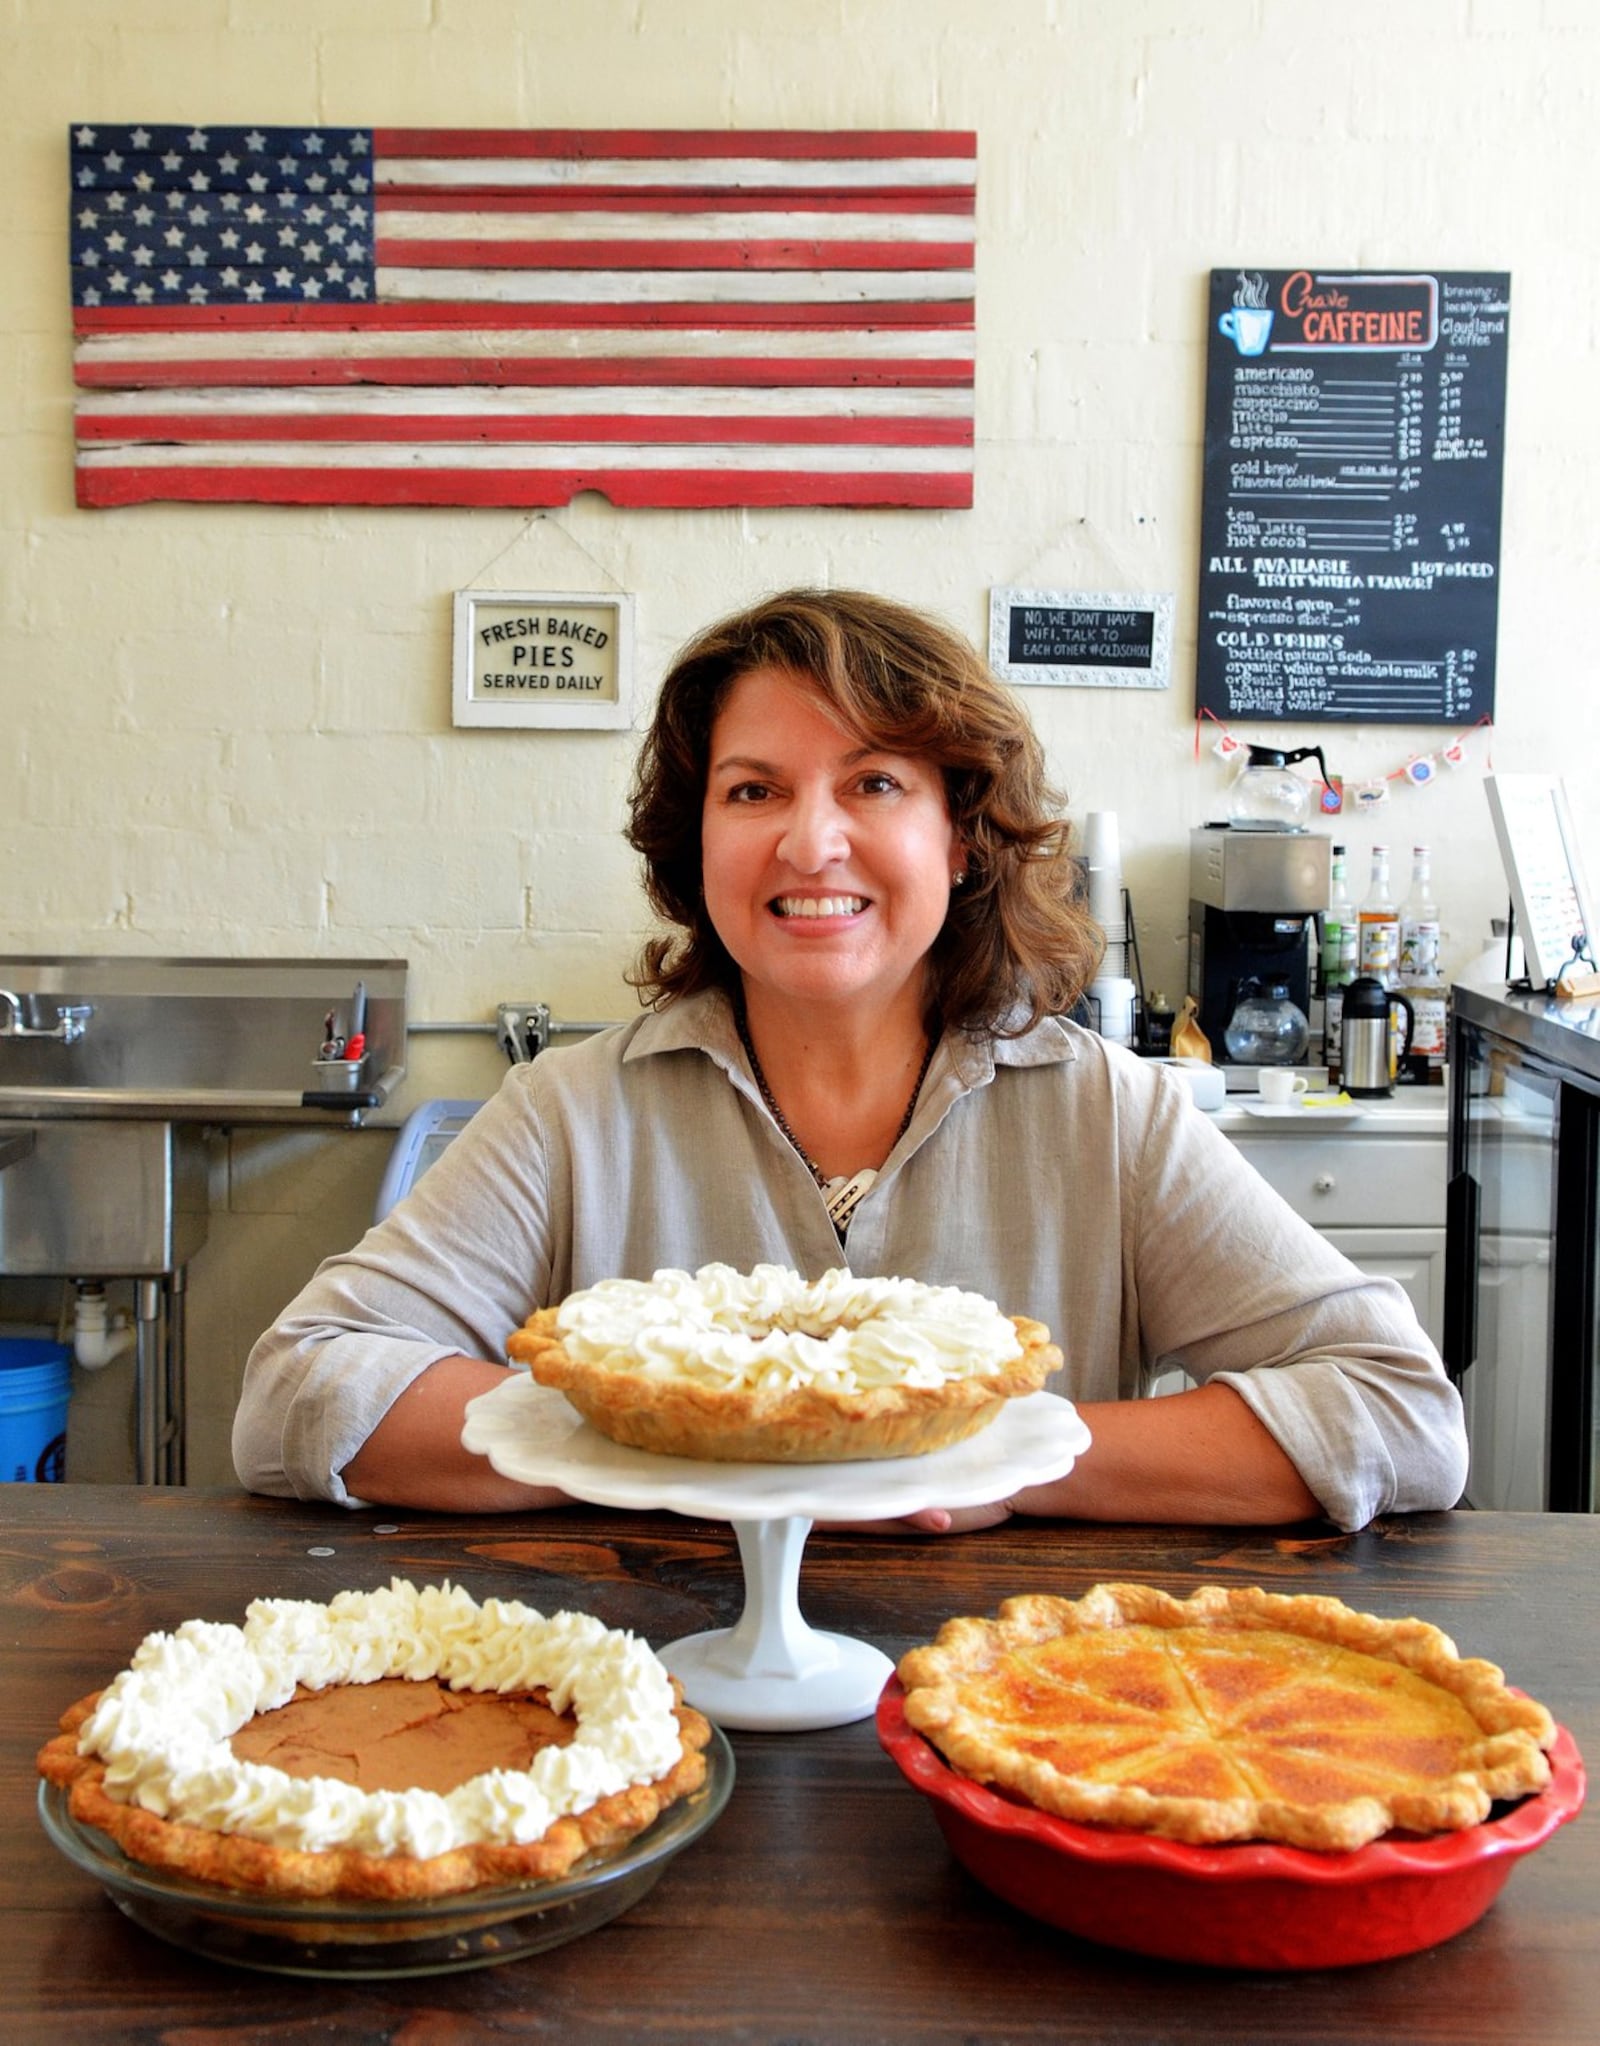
x: 1278, y: 1085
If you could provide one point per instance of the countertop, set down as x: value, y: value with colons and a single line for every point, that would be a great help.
x: 823, y: 1907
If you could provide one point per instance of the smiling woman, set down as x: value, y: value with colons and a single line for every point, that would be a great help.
x: 855, y: 1049
x: 903, y: 699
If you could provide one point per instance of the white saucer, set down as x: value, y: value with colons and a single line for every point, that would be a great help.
x: 1297, y: 1112
x: 532, y: 1433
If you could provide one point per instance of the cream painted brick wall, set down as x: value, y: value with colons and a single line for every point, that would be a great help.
x: 228, y: 729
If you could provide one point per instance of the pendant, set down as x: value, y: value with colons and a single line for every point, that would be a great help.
x: 844, y: 1196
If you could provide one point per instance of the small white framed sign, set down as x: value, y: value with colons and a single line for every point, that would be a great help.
x: 1081, y: 639
x: 1544, y: 869
x: 543, y: 658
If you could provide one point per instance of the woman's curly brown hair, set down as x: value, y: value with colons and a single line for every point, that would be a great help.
x: 1019, y: 942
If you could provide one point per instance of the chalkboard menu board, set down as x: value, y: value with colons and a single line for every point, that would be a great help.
x: 1350, y: 522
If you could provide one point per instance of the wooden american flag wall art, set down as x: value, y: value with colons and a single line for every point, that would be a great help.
x: 487, y: 317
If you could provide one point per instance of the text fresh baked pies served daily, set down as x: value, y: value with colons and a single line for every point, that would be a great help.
x: 1234, y: 1714
x: 396, y: 1744
x: 767, y: 1367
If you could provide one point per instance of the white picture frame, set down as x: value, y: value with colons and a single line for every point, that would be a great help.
x: 1550, y: 896
x: 549, y: 660
x: 1132, y: 632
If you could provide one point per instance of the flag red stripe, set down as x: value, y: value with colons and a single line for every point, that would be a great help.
x: 658, y: 431
x: 615, y: 196
x: 481, y: 254
x: 687, y: 489
x: 837, y: 373
x: 448, y: 313
x: 562, y: 199
x: 578, y: 145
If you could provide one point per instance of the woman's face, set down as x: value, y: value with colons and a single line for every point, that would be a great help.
x: 826, y: 865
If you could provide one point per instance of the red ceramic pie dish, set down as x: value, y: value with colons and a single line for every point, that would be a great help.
x: 1255, y: 1905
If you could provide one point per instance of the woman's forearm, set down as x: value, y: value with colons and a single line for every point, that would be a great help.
x: 414, y: 1456
x: 1199, y: 1456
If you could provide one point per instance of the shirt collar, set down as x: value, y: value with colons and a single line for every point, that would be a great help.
x: 704, y: 1022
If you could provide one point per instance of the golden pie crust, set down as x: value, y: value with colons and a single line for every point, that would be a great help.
x: 804, y: 1424
x: 236, y: 1863
x: 1234, y: 1714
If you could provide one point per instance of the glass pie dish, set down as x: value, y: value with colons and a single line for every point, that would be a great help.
x: 1249, y: 1905
x: 353, y: 1939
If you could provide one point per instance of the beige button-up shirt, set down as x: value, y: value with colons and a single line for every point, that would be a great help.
x: 1060, y: 1176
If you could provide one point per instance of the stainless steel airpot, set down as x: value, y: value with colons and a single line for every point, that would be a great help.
x: 1364, y: 1036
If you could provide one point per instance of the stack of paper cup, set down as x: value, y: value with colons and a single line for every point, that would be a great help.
x: 1111, y: 1000
x: 1103, y: 858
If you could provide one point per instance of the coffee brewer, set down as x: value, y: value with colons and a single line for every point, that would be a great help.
x: 1254, y: 899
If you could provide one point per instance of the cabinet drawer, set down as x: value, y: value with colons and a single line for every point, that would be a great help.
x: 1344, y: 1180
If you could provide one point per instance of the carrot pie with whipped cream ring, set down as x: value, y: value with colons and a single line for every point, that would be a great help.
x: 400, y: 1743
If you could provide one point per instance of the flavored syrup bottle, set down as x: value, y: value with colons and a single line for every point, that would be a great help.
x: 1419, y: 926
x: 1341, y: 951
x: 1420, y: 975
x: 1379, y: 923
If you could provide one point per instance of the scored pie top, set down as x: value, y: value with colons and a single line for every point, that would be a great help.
x: 766, y: 1366
x: 1234, y: 1714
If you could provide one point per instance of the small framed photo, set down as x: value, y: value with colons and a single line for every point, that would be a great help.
x: 544, y: 659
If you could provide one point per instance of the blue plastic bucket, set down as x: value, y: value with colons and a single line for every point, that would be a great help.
x: 35, y: 1382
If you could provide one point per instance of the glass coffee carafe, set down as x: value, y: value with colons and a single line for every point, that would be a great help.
x: 1267, y: 1028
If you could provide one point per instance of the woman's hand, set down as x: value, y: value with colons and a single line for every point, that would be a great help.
x: 1199, y: 1458
x: 930, y: 1520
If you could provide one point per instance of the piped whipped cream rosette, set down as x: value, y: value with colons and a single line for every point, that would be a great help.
x: 768, y: 1367
x: 152, y: 1759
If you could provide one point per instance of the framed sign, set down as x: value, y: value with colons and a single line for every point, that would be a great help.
x: 1080, y: 639
x: 1549, y: 890
x: 547, y: 659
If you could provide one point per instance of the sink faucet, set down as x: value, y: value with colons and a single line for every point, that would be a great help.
x: 71, y: 1021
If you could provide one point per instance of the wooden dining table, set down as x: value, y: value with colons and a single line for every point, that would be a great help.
x: 823, y: 1907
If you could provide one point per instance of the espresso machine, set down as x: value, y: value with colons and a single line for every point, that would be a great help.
x: 1254, y: 900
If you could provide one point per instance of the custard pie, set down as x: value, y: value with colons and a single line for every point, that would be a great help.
x: 397, y: 1744
x: 1234, y: 1714
x: 767, y: 1367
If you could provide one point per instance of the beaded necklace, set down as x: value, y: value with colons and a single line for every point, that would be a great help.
x: 844, y: 1192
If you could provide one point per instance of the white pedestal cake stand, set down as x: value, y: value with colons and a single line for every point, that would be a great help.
x: 772, y: 1672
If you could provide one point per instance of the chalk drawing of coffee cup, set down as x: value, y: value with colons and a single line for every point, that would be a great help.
x: 1247, y: 327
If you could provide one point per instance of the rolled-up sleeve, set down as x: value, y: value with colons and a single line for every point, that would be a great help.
x: 1234, y: 1286
x: 451, y: 1271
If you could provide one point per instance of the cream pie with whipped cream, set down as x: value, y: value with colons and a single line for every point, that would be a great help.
x: 768, y: 1367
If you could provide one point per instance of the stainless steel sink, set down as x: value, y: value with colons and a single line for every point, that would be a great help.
x: 89, y: 1200
x: 222, y: 1041
x: 111, y: 1068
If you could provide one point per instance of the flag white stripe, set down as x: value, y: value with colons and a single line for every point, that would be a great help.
x: 503, y: 455
x: 620, y: 401
x: 309, y: 344
x: 680, y: 174
x: 670, y: 287
x: 396, y: 221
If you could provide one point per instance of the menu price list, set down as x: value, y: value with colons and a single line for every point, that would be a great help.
x: 1350, y: 519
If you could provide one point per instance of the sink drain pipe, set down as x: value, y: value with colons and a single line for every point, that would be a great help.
x: 98, y: 1336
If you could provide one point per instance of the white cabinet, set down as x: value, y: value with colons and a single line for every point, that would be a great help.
x: 1374, y: 1184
